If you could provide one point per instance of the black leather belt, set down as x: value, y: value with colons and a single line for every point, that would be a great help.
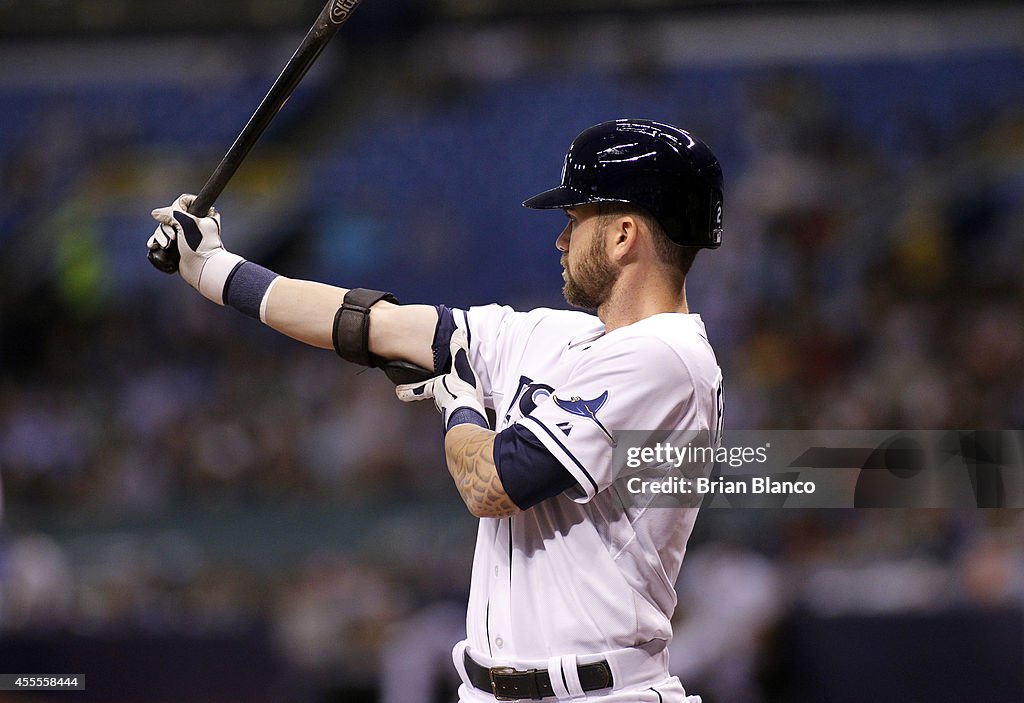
x: 509, y: 684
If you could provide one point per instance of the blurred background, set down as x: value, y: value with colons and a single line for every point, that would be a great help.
x: 196, y: 509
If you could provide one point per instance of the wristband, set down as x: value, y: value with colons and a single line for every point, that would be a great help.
x: 466, y: 416
x: 246, y: 288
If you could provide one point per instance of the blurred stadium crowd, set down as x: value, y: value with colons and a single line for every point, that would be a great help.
x: 169, y: 467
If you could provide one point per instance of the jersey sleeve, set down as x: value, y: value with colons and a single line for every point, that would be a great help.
x: 633, y: 384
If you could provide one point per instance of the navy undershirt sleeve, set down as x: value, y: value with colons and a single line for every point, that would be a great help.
x: 528, y: 471
x: 443, y: 339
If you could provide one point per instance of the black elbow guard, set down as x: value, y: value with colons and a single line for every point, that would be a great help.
x: 351, y: 337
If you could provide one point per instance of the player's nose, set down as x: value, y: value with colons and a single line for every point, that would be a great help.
x: 562, y: 243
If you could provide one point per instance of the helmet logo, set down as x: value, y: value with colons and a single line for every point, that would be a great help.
x: 716, y: 231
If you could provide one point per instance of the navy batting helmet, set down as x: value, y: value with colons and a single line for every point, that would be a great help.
x: 662, y: 169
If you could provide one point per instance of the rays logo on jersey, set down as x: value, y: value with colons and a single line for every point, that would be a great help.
x: 531, y: 394
x: 528, y: 396
x: 585, y: 408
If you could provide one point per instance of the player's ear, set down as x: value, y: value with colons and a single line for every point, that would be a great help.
x: 622, y: 237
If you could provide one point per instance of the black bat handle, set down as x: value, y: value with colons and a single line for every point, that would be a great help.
x: 167, y: 260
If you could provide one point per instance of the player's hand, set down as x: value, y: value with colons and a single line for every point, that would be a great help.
x: 205, y: 264
x: 457, y: 394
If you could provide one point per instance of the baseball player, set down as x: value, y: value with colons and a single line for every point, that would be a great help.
x: 573, y: 578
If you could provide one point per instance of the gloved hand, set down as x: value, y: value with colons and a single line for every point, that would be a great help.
x: 457, y: 394
x: 205, y: 264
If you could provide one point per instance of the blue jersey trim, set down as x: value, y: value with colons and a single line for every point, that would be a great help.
x: 567, y: 452
x: 469, y: 330
x: 529, y: 472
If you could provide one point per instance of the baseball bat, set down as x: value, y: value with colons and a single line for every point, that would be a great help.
x: 327, y: 24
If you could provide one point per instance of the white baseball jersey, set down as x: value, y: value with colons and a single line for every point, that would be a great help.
x: 584, y: 572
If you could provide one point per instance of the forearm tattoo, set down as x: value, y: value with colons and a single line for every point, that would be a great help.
x: 470, y: 454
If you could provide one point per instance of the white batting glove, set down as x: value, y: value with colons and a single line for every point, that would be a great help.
x: 457, y: 394
x: 205, y: 264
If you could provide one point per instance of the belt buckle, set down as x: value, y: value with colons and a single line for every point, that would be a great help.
x: 499, y: 671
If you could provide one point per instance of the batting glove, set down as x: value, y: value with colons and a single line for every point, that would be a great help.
x: 205, y: 264
x: 457, y: 394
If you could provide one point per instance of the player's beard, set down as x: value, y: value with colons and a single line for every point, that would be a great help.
x: 590, y: 284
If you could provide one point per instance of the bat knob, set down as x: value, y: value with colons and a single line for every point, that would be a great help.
x: 165, y: 260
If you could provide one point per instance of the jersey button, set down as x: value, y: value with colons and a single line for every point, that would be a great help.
x: 498, y: 642
x: 497, y: 572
